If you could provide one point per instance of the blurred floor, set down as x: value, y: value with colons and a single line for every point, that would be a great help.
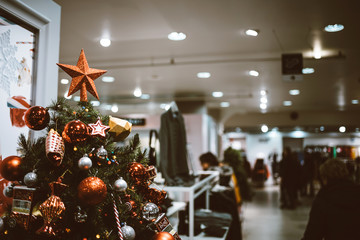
x: 263, y: 218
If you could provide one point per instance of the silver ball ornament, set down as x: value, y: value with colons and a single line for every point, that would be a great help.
x: 128, y: 232
x: 102, y: 153
x: 1, y: 224
x: 120, y: 185
x: 8, y: 191
x: 85, y: 163
x: 150, y: 211
x: 30, y: 179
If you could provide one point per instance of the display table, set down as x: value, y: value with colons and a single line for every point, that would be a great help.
x: 203, y: 183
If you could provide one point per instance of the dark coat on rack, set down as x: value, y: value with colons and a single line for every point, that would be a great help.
x: 173, y: 151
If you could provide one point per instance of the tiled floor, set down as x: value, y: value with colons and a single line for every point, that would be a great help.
x: 264, y: 220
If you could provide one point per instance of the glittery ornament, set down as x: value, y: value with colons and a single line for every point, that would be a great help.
x: 120, y: 185
x: 10, y: 168
x: 128, y: 232
x: 150, y: 211
x: 52, y: 209
x: 137, y: 173
x: 92, y: 191
x: 37, y: 118
x: 82, y: 77
x: 119, y: 128
x: 31, y: 179
x: 101, y: 153
x: 98, y: 128
x: 55, y: 148
x: 80, y: 215
x: 85, y: 163
x: 163, y: 236
x: 75, y: 132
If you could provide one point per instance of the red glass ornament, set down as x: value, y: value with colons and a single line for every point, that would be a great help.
x: 162, y: 236
x: 37, y: 118
x: 138, y: 173
x: 92, y: 191
x: 75, y: 132
x: 10, y: 168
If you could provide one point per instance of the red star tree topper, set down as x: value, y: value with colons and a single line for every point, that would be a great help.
x: 82, y: 77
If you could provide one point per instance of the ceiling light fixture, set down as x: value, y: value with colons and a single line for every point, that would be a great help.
x: 108, y: 79
x: 263, y: 106
x: 334, y: 28
x: 64, y: 81
x: 217, y: 94
x: 137, y: 92
x: 66, y: 96
x: 203, y: 75
x: 294, y: 92
x: 95, y: 103
x: 322, y: 128
x: 114, y: 108
x: 263, y: 92
x: 145, y: 96
x: 342, y: 129
x: 355, y: 101
x: 263, y: 100
x: 177, y: 36
x: 105, y: 42
x: 287, y: 103
x: 264, y: 128
x: 253, y: 73
x: 225, y: 104
x: 252, y: 32
x: 308, y: 70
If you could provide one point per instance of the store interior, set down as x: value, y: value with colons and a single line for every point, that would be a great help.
x: 248, y: 76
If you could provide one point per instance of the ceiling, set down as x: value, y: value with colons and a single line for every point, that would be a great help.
x: 141, y: 55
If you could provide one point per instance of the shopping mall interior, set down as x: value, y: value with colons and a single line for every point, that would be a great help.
x: 243, y: 79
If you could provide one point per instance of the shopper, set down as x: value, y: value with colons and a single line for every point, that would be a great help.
x: 335, y: 213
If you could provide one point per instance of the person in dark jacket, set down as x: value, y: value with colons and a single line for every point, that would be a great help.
x: 335, y: 213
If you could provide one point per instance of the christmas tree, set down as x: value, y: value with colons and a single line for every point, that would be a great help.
x: 76, y: 182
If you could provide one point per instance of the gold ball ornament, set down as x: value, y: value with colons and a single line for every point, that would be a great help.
x: 37, y: 118
x: 92, y: 191
x: 10, y: 168
x: 75, y: 132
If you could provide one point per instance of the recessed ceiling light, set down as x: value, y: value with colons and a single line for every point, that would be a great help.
x: 308, y: 70
x: 114, y: 108
x: 66, y: 96
x: 334, y: 28
x: 177, y: 36
x: 108, y: 79
x: 294, y: 92
x: 322, y: 128
x: 263, y: 92
x: 355, y: 101
x: 287, y: 103
x: 252, y: 32
x: 225, y: 104
x: 263, y: 106
x: 77, y: 98
x: 342, y: 129
x: 105, y: 42
x: 217, y: 94
x: 264, y: 128
x: 145, y: 96
x: 253, y: 73
x: 137, y: 92
x: 95, y: 103
x: 203, y: 75
x: 64, y: 81
x: 263, y: 100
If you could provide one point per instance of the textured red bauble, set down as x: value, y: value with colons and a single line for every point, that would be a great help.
x: 138, y: 173
x: 37, y: 118
x: 10, y: 168
x: 75, y: 132
x: 162, y: 236
x: 92, y: 191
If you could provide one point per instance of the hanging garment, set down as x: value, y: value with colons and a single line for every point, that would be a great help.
x: 153, y: 138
